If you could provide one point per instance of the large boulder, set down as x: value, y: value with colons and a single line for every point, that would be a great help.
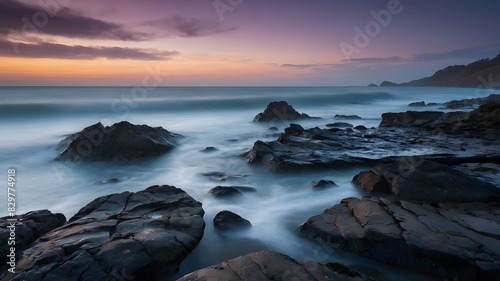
x: 277, y: 111
x: 126, y: 236
x: 457, y: 241
x: 121, y: 141
x: 26, y: 228
x: 413, y: 178
x: 227, y: 220
x: 267, y: 266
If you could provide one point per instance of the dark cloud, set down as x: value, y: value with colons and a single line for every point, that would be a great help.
x: 375, y: 60
x: 188, y: 27
x: 18, y: 18
x: 59, y: 51
x: 467, y: 53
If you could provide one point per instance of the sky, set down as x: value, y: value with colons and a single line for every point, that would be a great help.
x: 240, y: 42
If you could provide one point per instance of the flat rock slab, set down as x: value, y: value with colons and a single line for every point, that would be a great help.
x: 267, y: 266
x: 127, y: 236
x: 122, y: 141
x: 458, y: 241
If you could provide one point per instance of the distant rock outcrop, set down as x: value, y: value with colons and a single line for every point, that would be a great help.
x: 122, y: 141
x: 483, y: 73
x: 280, y: 111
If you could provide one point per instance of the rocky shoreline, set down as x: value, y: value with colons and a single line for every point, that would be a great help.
x: 432, y: 203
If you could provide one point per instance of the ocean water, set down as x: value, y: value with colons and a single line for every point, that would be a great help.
x: 34, y: 119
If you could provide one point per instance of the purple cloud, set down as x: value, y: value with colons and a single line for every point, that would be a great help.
x: 188, y: 27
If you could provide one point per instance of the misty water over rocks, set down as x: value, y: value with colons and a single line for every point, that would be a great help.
x: 38, y: 118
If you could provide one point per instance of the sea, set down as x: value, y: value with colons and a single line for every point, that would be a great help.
x: 33, y: 120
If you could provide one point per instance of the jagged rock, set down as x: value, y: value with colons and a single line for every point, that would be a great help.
x: 127, y: 236
x: 279, y: 111
x: 224, y: 191
x: 322, y: 184
x: 28, y: 228
x: 454, y: 104
x: 267, y: 266
x: 347, y: 117
x: 294, y: 129
x: 122, y: 141
x: 226, y: 220
x: 413, y: 178
x: 457, y: 241
x: 418, y: 103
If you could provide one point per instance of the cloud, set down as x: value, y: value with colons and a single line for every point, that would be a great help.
x: 188, y: 27
x: 59, y: 51
x: 19, y: 18
x: 467, y: 53
x: 375, y: 60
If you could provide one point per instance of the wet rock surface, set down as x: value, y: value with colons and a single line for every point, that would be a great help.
x: 27, y: 228
x: 413, y: 178
x: 277, y: 111
x: 322, y: 184
x: 224, y: 192
x: 458, y: 241
x: 127, y: 236
x: 472, y: 102
x: 449, y: 138
x: 226, y: 220
x: 266, y: 266
x: 121, y: 141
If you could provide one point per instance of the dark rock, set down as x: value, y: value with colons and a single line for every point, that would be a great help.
x: 273, y: 128
x: 232, y: 140
x: 244, y: 188
x: 226, y: 220
x: 322, y: 184
x: 372, y: 85
x: 294, y: 129
x: 339, y: 125
x: 457, y: 241
x: 109, y: 181
x: 141, y: 236
x: 388, y: 84
x: 224, y: 191
x: 372, y: 183
x: 432, y: 104
x: 221, y: 176
x: 28, y: 228
x: 279, y: 111
x: 209, y: 149
x: 413, y: 178
x: 418, y: 103
x: 267, y: 266
x: 347, y: 117
x: 361, y: 128
x: 122, y: 141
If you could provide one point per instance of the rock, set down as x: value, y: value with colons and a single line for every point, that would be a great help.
x: 372, y: 85
x: 418, y: 103
x: 294, y: 129
x: 388, y: 84
x: 457, y: 241
x: 322, y: 184
x: 454, y: 104
x: 221, y: 176
x: 142, y: 236
x: 273, y: 128
x: 280, y: 111
x: 226, y: 220
x: 28, y: 228
x: 347, y: 117
x: 372, y: 183
x: 224, y: 191
x: 109, y: 181
x: 432, y: 104
x: 413, y: 178
x: 361, y: 128
x: 122, y: 141
x: 339, y: 125
x: 244, y: 189
x: 267, y: 266
x: 209, y: 149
